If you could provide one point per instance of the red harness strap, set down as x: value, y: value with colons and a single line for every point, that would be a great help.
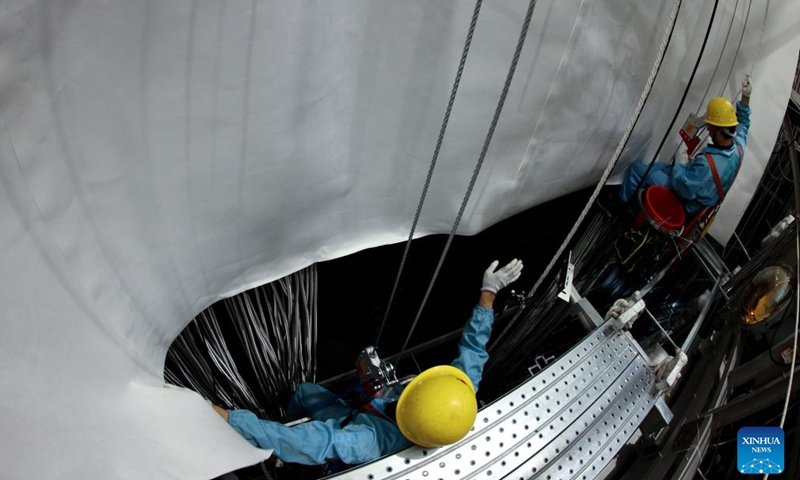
x: 715, y: 172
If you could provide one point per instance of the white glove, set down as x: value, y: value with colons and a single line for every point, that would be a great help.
x: 494, y: 281
x: 620, y: 305
x: 682, y: 155
x: 777, y: 230
x: 747, y: 86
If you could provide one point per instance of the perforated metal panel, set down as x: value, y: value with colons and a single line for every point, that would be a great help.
x: 567, y: 422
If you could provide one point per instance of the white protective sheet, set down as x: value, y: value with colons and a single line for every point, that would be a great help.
x: 156, y: 156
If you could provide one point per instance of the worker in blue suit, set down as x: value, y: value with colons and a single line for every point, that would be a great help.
x: 705, y: 179
x: 438, y: 407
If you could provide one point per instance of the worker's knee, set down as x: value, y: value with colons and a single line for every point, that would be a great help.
x: 307, y: 387
x: 637, y: 168
x: 308, y: 393
x: 633, y: 176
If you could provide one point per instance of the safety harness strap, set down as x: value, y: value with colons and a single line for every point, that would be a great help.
x: 715, y: 173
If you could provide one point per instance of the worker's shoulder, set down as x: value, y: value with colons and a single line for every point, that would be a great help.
x: 717, y: 152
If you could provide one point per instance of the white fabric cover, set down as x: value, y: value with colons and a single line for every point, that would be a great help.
x: 157, y: 156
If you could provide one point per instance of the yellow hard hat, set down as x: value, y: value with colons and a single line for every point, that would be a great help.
x: 438, y: 407
x: 720, y: 113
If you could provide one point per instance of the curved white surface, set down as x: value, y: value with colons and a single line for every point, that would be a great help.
x: 157, y: 156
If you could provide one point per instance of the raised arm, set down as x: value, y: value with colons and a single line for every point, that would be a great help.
x: 472, y: 354
x: 743, y: 113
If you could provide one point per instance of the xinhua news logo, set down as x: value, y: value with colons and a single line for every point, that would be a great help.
x: 761, y: 450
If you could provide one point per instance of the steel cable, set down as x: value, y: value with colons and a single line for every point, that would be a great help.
x: 722, y: 53
x: 796, y: 172
x: 498, y: 110
x: 435, y: 157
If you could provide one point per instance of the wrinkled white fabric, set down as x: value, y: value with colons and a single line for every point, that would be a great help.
x: 158, y: 156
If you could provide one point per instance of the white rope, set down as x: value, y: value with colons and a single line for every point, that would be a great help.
x: 440, y: 140
x: 614, y: 158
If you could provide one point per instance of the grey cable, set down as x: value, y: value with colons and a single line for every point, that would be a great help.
x: 669, y: 338
x: 486, y: 143
x: 739, y: 46
x: 435, y: 157
x: 796, y: 171
x: 722, y: 54
x: 622, y: 142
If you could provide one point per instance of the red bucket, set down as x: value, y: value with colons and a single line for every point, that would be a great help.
x: 664, y: 208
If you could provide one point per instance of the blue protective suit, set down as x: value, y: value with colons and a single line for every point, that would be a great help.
x: 368, y: 435
x: 693, y: 182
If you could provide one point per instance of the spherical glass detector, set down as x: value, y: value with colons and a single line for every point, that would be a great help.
x: 767, y: 293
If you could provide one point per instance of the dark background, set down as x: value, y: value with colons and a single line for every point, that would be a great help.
x: 354, y: 290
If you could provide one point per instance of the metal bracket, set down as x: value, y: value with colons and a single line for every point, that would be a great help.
x: 566, y: 293
x: 540, y: 362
